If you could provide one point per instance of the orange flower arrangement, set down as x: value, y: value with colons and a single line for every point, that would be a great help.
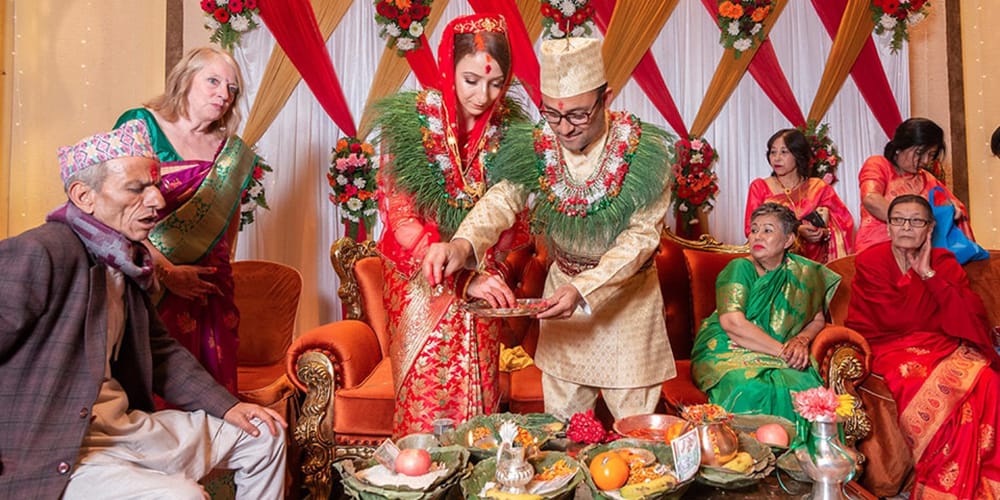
x: 742, y: 23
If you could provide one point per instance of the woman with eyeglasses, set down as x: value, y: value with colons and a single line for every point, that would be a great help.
x: 904, y: 168
x: 930, y: 341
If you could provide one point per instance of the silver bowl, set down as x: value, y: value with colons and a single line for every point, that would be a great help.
x: 421, y: 440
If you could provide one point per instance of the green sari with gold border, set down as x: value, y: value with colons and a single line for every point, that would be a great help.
x: 781, y: 303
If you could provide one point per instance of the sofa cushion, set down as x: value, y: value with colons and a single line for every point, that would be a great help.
x: 703, y: 269
x: 680, y: 390
x: 676, y: 290
x: 368, y: 273
x: 526, y: 391
x: 367, y: 408
x: 984, y: 279
x: 843, y: 266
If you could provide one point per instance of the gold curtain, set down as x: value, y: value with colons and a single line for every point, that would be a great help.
x: 280, y: 77
x: 727, y: 76
x: 855, y: 28
x: 531, y: 13
x: 392, y: 71
x: 633, y: 28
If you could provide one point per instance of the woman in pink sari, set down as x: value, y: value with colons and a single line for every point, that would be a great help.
x: 902, y: 169
x: 205, y: 169
x: 930, y: 341
x: 437, y: 148
x: 827, y: 229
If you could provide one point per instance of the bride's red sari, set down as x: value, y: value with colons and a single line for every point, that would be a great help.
x: 444, y: 363
x: 930, y: 341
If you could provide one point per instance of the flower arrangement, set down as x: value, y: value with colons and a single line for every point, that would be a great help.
x: 706, y: 413
x: 229, y: 19
x: 825, y: 157
x: 352, y: 180
x: 742, y: 23
x: 694, y: 185
x: 254, y: 195
x: 562, y: 18
x: 896, y: 17
x: 822, y: 404
x: 401, y: 22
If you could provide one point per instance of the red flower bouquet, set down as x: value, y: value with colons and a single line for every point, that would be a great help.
x: 694, y: 184
x: 894, y: 18
x: 402, y: 22
x: 228, y: 20
x: 352, y: 182
x: 563, y: 18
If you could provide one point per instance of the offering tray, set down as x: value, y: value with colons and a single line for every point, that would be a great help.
x: 525, y: 307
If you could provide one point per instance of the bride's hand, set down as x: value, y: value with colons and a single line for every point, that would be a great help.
x: 492, y: 289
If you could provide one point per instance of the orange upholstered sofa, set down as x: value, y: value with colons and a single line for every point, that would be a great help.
x: 344, y: 369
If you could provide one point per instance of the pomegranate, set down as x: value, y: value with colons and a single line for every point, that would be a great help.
x: 772, y: 434
x: 413, y: 462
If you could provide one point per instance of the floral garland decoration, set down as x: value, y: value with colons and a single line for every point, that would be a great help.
x: 562, y: 18
x: 896, y: 17
x: 694, y: 184
x: 577, y: 199
x: 254, y: 195
x: 402, y: 22
x: 825, y: 156
x: 352, y: 180
x: 228, y: 20
x: 742, y: 23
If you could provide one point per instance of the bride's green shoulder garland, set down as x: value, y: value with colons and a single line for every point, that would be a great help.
x: 632, y: 174
x: 440, y: 190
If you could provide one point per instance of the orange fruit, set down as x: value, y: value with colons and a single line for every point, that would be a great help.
x: 609, y: 470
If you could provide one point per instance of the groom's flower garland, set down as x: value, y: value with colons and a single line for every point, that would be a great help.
x: 582, y: 199
x: 456, y: 186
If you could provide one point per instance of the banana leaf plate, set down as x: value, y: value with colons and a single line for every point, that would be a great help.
x: 481, y: 435
x: 455, y: 459
x: 762, y: 465
x: 562, y: 488
x: 663, y: 455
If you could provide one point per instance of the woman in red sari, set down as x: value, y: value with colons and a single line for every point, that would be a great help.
x: 437, y: 148
x: 827, y: 229
x: 916, y: 144
x: 929, y: 338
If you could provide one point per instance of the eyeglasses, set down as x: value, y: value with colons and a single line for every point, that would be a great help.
x: 899, y: 221
x: 573, y: 117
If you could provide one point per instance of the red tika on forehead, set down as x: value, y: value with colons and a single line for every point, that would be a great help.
x: 489, y: 69
x: 560, y: 104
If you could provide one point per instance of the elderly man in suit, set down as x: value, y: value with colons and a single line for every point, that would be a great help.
x: 82, y: 352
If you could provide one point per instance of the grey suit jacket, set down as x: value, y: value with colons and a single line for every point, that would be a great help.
x: 53, y: 346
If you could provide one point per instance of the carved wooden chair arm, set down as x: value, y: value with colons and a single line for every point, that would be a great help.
x: 844, y: 358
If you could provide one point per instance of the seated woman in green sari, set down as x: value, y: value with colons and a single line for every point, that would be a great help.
x: 754, y: 349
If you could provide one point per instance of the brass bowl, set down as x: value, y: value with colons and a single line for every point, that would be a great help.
x: 648, y: 427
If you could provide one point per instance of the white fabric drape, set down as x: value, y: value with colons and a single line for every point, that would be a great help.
x: 302, y: 223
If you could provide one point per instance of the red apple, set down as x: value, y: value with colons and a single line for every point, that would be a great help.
x: 413, y: 462
x: 772, y: 434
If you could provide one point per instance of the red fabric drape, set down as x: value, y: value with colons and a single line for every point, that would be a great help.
x: 424, y: 66
x: 868, y: 73
x: 293, y: 24
x: 521, y: 46
x: 646, y: 74
x: 766, y: 71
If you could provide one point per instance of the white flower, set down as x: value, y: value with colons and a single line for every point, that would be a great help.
x: 915, y: 18
x: 756, y: 28
x: 567, y: 7
x: 393, y: 30
x: 434, y: 123
x: 443, y: 161
x: 221, y: 3
x: 733, y: 28
x: 416, y: 29
x: 360, y: 183
x: 239, y: 23
x: 405, y: 44
x: 888, y: 22
x: 211, y: 23
x: 354, y: 204
x: 697, y: 158
x: 369, y: 212
x: 556, y: 32
x: 742, y: 44
x: 256, y: 190
x: 682, y: 207
x: 578, y: 31
x: 342, y: 180
x: 434, y: 99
